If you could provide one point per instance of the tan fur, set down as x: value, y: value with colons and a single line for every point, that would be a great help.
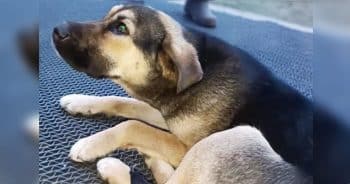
x: 191, y: 128
x: 167, y: 67
x: 128, y: 61
x: 114, y: 171
x: 113, y: 106
x: 238, y: 155
x: 161, y: 170
x: 109, y: 167
x: 150, y: 141
x: 184, y: 128
x: 182, y: 53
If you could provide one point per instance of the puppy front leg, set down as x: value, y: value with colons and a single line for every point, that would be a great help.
x: 161, y: 170
x: 148, y: 140
x: 113, y: 106
x: 114, y: 171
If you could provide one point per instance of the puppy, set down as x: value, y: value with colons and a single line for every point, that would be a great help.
x: 192, y: 85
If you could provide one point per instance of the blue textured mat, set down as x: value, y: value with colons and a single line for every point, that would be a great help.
x: 288, y: 53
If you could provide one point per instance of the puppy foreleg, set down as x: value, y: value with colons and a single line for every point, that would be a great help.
x: 148, y: 140
x: 113, y: 171
x: 162, y: 171
x: 112, y: 106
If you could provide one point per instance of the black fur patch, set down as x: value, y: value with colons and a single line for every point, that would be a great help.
x: 149, y: 32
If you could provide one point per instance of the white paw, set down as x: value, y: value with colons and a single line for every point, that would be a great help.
x: 113, y: 170
x: 79, y: 104
x: 87, y: 149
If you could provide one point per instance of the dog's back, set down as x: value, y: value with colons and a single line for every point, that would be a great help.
x: 257, y: 98
x: 238, y: 155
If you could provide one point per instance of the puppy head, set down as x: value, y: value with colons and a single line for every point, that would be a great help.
x: 133, y: 45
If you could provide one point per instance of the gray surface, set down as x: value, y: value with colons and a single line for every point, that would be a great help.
x: 294, y: 11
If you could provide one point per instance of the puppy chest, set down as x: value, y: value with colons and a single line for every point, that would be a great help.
x: 188, y: 130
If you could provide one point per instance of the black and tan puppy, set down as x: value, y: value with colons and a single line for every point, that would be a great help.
x: 192, y: 85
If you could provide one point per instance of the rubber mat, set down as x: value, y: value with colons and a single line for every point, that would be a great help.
x: 288, y: 53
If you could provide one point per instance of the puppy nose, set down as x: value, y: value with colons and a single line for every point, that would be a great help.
x: 62, y: 31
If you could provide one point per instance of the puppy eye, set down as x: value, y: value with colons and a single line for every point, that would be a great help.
x: 120, y: 29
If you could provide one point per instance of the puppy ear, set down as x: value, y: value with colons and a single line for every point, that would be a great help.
x: 182, y: 53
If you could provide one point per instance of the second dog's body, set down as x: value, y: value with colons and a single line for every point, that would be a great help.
x: 191, y: 84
